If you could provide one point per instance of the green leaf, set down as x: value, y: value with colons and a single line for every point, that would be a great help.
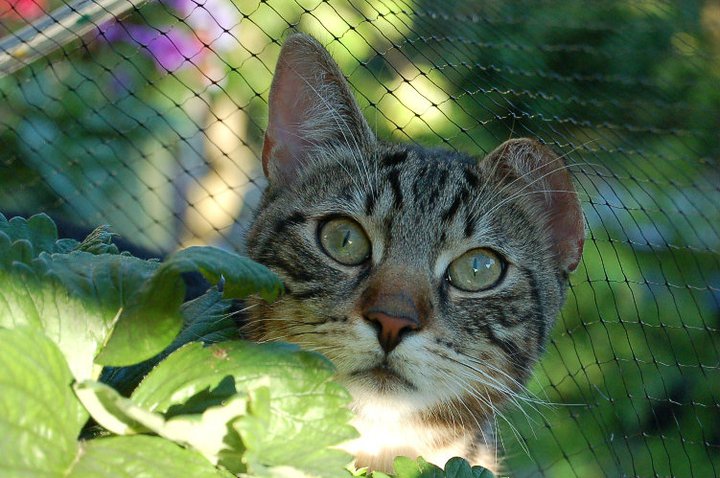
x: 140, y: 456
x: 278, y: 443
x: 455, y: 468
x: 39, y: 231
x: 407, y: 468
x: 92, y: 293
x: 99, y: 241
x: 205, y: 432
x: 148, y: 323
x: 40, y: 417
x: 291, y: 427
x: 242, y: 276
x: 152, y: 318
x: 115, y: 412
x: 480, y: 472
x: 73, y: 298
x: 460, y: 468
x: 206, y: 320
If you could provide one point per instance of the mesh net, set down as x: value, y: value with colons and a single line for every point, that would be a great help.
x: 149, y: 116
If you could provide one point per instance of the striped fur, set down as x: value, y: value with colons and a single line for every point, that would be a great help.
x: 438, y: 392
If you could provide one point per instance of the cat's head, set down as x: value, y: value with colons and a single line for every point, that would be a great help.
x: 428, y: 277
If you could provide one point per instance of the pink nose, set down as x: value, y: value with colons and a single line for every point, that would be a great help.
x: 391, y: 329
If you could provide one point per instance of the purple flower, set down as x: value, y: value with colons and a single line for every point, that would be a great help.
x: 171, y: 49
x: 211, y: 20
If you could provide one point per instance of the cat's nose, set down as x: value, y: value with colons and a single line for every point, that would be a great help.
x: 391, y: 328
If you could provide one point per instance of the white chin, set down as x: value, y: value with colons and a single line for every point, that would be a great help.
x: 375, y: 393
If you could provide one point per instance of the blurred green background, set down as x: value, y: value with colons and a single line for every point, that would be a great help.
x: 154, y: 125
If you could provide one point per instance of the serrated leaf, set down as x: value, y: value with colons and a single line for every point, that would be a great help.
x: 140, y: 456
x: 267, y: 455
x: 148, y: 323
x: 206, y: 320
x: 92, y: 294
x: 153, y: 314
x: 211, y: 433
x: 40, y: 416
x: 205, y: 431
x: 73, y: 298
x: 21, y: 251
x: 99, y: 241
x: 242, y: 276
x: 39, y: 230
x: 110, y: 280
x: 75, y: 326
x: 304, y: 415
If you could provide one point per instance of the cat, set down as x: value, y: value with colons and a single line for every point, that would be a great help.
x: 430, y: 278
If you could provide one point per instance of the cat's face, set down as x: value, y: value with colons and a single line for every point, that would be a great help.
x: 409, y: 222
x: 429, y: 278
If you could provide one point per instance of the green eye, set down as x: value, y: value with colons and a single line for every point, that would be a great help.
x: 345, y: 241
x: 476, y: 270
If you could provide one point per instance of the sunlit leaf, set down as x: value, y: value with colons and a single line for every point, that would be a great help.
x: 140, y: 456
x: 40, y: 417
x: 290, y: 426
x: 151, y: 319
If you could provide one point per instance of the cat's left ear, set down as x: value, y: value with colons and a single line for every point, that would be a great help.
x: 311, y: 111
x: 538, y: 175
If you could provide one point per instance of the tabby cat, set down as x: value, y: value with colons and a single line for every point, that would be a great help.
x: 430, y: 278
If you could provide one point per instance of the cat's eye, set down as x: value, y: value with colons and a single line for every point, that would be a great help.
x: 345, y: 241
x: 476, y: 270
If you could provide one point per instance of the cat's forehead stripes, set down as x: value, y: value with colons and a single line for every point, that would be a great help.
x: 433, y: 185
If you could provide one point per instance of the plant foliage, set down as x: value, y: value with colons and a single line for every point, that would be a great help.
x: 179, y: 397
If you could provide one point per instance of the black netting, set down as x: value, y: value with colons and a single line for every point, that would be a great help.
x: 154, y: 124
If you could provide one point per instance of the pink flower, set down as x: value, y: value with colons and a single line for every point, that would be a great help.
x: 21, y: 9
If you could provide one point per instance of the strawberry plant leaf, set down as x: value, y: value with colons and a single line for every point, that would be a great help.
x: 40, y: 416
x: 139, y: 455
x: 154, y: 311
x: 290, y: 427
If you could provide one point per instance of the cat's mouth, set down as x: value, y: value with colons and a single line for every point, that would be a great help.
x: 384, y: 377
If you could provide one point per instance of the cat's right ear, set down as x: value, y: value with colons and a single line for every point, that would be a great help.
x: 311, y: 111
x: 541, y: 177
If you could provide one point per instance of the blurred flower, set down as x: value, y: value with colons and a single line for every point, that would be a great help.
x: 211, y: 20
x: 171, y: 49
x: 21, y: 9
x: 202, y: 31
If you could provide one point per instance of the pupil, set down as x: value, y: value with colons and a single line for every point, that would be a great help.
x: 475, y: 265
x: 346, y: 238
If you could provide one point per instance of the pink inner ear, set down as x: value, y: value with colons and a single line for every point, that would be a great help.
x: 566, y: 220
x: 284, y: 143
x: 544, y: 171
